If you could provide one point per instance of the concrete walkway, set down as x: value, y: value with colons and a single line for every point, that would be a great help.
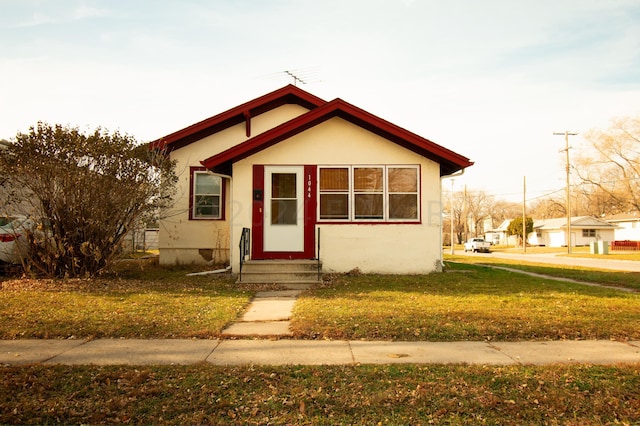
x: 312, y: 352
x: 267, y: 315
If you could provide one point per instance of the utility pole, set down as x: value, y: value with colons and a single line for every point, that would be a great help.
x: 566, y: 150
x: 464, y: 215
x: 524, y: 215
x: 451, y: 215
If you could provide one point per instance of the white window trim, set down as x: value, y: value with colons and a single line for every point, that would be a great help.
x: 385, y: 198
x: 194, y: 214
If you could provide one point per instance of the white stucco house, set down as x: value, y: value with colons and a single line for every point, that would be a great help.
x: 584, y: 231
x: 500, y: 236
x: 295, y: 171
x: 627, y: 226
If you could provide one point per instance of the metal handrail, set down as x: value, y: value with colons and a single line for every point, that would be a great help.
x: 318, y: 256
x: 245, y: 248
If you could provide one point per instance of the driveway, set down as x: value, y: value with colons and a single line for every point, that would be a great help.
x: 560, y: 259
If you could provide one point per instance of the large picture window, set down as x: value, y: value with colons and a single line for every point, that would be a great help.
x: 207, y: 196
x: 368, y: 193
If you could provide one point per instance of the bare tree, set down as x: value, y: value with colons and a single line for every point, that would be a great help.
x: 469, y: 210
x: 501, y: 210
x: 90, y: 189
x: 478, y: 207
x: 454, y: 208
x: 548, y: 207
x: 610, y: 165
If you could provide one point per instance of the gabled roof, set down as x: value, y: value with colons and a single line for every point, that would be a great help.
x: 623, y: 217
x: 242, y: 113
x: 504, y: 225
x: 449, y: 161
x: 577, y: 222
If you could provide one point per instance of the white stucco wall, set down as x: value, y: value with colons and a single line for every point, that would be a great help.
x: 382, y: 248
x: 184, y: 241
x: 557, y: 238
x: 627, y: 231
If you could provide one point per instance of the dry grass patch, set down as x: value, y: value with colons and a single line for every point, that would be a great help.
x: 138, y: 300
x: 480, y: 304
x: 368, y: 394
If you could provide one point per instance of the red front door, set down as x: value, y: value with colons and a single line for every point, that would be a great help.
x: 284, y: 206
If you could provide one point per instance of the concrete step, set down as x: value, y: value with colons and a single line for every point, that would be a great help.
x: 294, y: 274
x: 281, y: 266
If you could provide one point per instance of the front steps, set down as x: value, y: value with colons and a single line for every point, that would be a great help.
x: 291, y: 274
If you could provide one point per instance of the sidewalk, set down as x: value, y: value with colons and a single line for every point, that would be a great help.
x: 313, y: 352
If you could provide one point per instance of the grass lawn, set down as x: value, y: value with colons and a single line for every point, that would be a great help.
x: 362, y: 395
x: 591, y: 275
x: 138, y: 300
x: 470, y: 303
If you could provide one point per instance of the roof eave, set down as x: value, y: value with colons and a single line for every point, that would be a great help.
x: 289, y: 94
x: 450, y: 162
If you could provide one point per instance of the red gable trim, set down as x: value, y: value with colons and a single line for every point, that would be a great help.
x: 449, y: 161
x: 287, y: 95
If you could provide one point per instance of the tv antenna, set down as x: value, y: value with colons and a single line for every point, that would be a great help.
x: 299, y: 75
x: 296, y: 79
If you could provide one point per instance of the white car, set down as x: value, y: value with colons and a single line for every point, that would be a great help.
x: 13, y: 241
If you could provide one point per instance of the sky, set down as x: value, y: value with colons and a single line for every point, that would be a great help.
x: 491, y: 80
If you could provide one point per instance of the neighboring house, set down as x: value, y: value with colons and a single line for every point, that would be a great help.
x: 303, y: 175
x: 628, y: 226
x: 553, y: 232
x: 584, y: 230
x: 500, y: 236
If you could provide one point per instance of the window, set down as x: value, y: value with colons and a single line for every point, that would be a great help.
x: 403, y: 193
x: 368, y: 193
x: 284, y: 204
x: 207, y: 196
x: 334, y: 193
x: 588, y: 232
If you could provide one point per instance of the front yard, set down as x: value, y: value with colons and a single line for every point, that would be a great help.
x: 141, y: 300
x: 470, y: 303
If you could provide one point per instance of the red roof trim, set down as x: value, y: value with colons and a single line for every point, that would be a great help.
x: 289, y: 94
x: 449, y: 161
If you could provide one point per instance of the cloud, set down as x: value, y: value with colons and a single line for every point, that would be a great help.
x: 86, y: 12
x: 47, y: 14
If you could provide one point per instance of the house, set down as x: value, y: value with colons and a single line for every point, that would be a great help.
x: 500, y: 236
x: 306, y: 179
x: 584, y: 230
x: 627, y: 226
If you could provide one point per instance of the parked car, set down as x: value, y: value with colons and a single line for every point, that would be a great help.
x: 477, y: 244
x: 13, y: 242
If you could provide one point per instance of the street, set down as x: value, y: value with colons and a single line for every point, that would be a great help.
x: 560, y: 259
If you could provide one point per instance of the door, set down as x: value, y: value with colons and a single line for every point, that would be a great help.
x: 283, y: 218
